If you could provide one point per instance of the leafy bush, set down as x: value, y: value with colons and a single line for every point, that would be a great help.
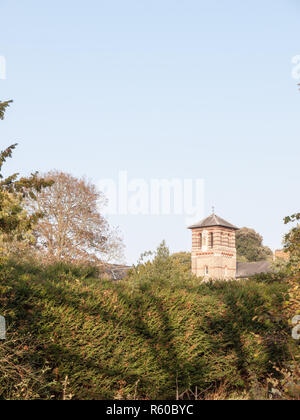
x: 154, y: 334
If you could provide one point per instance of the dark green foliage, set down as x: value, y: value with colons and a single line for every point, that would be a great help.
x: 24, y: 186
x: 14, y: 221
x: 249, y: 246
x: 113, y: 340
x: 184, y: 259
x: 3, y: 106
x: 292, y: 243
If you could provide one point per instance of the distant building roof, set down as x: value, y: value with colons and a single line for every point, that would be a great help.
x: 213, y: 220
x: 249, y: 269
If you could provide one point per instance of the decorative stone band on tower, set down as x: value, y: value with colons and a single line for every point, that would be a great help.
x: 213, y: 248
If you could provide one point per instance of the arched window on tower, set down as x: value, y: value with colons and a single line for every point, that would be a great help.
x: 206, y: 271
x: 221, y: 239
x: 200, y: 241
x: 211, y: 240
x: 228, y: 241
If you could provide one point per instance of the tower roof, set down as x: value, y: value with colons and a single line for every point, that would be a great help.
x: 213, y: 220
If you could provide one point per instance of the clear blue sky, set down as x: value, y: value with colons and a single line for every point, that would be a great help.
x: 162, y: 89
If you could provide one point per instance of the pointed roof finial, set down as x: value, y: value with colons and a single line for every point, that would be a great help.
x: 213, y: 209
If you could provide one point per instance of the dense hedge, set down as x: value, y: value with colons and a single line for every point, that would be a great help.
x: 71, y: 335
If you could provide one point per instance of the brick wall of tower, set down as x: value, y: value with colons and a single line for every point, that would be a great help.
x: 220, y: 259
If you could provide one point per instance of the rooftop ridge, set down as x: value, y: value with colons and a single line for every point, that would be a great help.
x: 213, y: 220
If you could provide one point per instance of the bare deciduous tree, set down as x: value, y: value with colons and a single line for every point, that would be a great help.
x: 73, y: 228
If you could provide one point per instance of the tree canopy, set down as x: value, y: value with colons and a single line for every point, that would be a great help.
x: 249, y: 245
x: 72, y: 228
x: 14, y: 220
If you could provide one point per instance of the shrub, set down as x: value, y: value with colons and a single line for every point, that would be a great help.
x: 91, y: 339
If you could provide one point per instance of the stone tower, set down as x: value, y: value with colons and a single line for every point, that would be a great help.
x: 213, y: 248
